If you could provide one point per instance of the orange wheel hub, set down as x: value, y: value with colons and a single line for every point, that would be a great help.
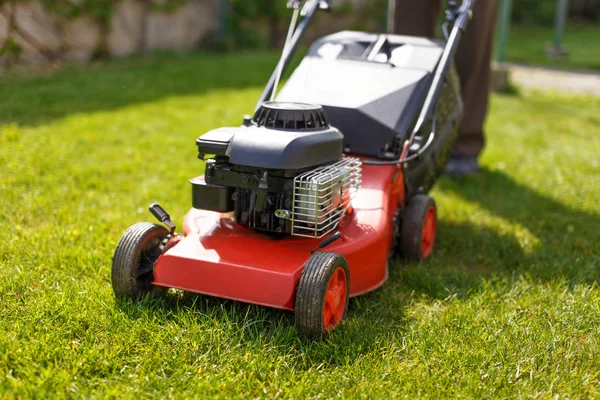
x: 335, y: 299
x: 429, y: 230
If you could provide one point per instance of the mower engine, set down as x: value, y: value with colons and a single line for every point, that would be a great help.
x: 283, y: 173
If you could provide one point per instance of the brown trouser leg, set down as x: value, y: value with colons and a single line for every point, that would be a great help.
x: 473, y: 60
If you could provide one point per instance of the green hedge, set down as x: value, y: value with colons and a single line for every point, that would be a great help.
x: 534, y: 11
x: 260, y: 23
x: 543, y: 11
x: 100, y: 10
x: 264, y: 23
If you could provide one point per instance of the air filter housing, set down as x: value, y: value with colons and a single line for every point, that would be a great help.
x: 291, y: 116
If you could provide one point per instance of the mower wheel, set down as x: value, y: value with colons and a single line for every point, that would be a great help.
x: 134, y: 258
x: 323, y: 293
x: 419, y: 225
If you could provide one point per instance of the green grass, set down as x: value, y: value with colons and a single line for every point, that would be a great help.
x: 527, y: 44
x: 509, y: 305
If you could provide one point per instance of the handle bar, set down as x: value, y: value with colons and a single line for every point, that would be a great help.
x: 309, y: 8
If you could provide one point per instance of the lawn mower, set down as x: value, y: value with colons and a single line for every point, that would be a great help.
x: 302, y: 206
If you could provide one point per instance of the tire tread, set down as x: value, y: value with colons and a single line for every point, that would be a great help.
x: 412, y: 226
x: 310, y: 294
x: 127, y: 255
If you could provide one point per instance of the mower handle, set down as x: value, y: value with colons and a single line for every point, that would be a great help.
x: 309, y: 9
x: 323, y: 5
x: 459, y: 18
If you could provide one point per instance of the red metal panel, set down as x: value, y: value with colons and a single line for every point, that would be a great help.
x: 221, y: 258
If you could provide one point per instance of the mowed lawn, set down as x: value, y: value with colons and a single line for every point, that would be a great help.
x: 527, y: 45
x: 508, y: 306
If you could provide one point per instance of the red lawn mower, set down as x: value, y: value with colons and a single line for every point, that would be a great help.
x: 302, y: 206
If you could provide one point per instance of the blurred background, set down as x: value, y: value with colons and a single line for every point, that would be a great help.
x: 32, y: 32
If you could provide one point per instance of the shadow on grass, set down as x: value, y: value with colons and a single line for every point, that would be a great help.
x: 560, y: 244
x: 78, y: 89
x: 567, y: 238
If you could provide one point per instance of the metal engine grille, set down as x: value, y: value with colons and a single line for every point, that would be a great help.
x: 322, y: 196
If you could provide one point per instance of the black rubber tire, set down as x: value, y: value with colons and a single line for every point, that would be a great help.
x: 310, y: 294
x: 396, y: 231
x: 134, y: 258
x: 411, y: 232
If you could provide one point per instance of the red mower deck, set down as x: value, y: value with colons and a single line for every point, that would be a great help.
x: 221, y: 258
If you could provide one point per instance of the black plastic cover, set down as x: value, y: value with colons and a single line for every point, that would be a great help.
x: 216, y: 141
x: 206, y: 196
x: 372, y: 97
x: 285, y: 149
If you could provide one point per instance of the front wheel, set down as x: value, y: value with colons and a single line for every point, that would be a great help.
x: 419, y: 228
x: 323, y: 293
x: 134, y: 259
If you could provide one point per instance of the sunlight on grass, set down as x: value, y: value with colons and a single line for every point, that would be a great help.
x: 508, y: 306
x: 527, y: 44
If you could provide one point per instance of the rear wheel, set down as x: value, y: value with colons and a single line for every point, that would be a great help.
x: 134, y: 258
x: 419, y: 227
x: 323, y: 293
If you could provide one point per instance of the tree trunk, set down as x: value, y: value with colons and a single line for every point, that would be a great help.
x: 9, y: 54
x: 14, y: 28
x: 101, y: 51
x: 273, y: 24
x: 143, y: 45
x: 11, y: 19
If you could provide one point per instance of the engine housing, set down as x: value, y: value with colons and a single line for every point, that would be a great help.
x: 284, y: 174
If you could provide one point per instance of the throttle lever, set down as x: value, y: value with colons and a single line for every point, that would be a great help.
x: 162, y: 216
x: 327, y: 242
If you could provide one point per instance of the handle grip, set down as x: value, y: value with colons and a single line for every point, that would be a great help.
x: 162, y: 215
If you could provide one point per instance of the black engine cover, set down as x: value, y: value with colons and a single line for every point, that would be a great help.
x: 284, y: 136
